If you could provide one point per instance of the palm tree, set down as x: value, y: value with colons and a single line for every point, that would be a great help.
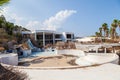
x: 104, y: 27
x: 119, y: 28
x: 119, y: 24
x: 97, y: 34
x: 107, y: 32
x: 115, y: 25
x: 3, y: 2
x: 112, y: 32
x: 100, y: 29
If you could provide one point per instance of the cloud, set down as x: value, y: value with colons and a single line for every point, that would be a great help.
x: 12, y: 17
x: 4, y: 10
x: 52, y: 23
x: 33, y: 25
x: 55, y: 22
x: 16, y: 19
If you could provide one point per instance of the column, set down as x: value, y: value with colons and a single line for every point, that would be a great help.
x: 43, y: 39
x: 53, y: 38
x: 72, y: 36
x: 105, y: 50
x: 96, y: 50
x: 35, y: 36
x: 113, y: 49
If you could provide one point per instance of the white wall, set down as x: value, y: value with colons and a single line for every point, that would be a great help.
x: 72, y: 52
x: 64, y: 38
x: 10, y: 59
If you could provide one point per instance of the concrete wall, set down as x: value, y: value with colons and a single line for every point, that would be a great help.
x: 10, y: 59
x: 94, y: 58
x: 71, y: 52
x: 64, y: 37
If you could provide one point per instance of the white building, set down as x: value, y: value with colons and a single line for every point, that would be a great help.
x: 85, y: 39
x: 26, y: 34
x: 50, y: 37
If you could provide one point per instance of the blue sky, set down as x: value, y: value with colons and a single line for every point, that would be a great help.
x: 83, y: 17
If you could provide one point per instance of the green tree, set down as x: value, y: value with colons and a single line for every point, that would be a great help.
x: 100, y: 29
x: 119, y: 24
x: 9, y: 73
x: 2, y: 2
x: 112, y: 32
x: 2, y: 21
x: 119, y: 28
x: 115, y: 25
x: 104, y: 27
x: 107, y: 32
x: 9, y: 27
x: 97, y: 34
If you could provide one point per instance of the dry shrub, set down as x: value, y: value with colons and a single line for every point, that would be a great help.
x: 65, y: 45
x: 2, y: 48
x: 72, y: 62
x: 25, y: 46
x: 11, y: 73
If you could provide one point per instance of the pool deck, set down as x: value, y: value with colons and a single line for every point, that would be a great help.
x: 103, y: 72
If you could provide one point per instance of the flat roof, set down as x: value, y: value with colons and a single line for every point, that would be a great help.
x: 26, y: 32
x: 52, y: 31
x: 45, y: 31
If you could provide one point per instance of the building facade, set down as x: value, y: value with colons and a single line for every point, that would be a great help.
x: 45, y: 37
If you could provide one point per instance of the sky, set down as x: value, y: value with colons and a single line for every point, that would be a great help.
x: 82, y: 17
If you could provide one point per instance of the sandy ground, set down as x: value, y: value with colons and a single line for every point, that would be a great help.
x: 54, y: 61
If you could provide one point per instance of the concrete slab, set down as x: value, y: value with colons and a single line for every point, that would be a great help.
x: 104, y: 72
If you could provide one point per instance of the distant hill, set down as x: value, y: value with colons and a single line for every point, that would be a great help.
x: 9, y: 31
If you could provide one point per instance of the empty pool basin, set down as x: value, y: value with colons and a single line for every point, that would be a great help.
x: 94, y: 58
x: 72, y: 52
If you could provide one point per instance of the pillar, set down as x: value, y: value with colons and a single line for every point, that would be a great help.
x: 105, y: 50
x: 53, y: 38
x: 43, y: 38
x: 96, y: 50
x: 35, y: 36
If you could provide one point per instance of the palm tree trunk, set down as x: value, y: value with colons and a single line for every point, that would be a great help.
x: 104, y: 36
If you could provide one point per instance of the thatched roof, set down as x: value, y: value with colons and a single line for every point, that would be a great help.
x: 10, y: 73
